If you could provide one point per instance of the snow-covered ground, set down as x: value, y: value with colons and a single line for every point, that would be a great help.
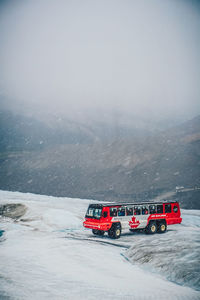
x: 49, y: 255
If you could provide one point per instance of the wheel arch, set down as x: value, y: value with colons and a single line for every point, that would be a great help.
x: 157, y: 221
x: 161, y: 221
x: 116, y: 224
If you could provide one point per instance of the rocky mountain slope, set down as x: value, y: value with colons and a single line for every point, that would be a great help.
x: 76, y: 161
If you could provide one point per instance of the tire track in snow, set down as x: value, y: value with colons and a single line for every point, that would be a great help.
x: 95, y: 240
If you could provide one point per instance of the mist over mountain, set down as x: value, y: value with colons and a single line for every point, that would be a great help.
x: 134, y: 56
x: 99, y: 160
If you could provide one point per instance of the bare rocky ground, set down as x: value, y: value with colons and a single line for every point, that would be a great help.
x: 13, y: 211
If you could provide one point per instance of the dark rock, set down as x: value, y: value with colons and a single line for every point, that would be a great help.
x: 14, y: 211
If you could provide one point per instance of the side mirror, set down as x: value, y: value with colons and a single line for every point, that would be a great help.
x: 105, y: 214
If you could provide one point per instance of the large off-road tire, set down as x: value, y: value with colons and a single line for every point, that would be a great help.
x: 152, y: 227
x: 101, y: 232
x: 162, y: 227
x: 98, y: 232
x: 115, y: 231
x: 95, y: 231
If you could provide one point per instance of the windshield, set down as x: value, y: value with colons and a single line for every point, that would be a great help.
x: 94, y: 212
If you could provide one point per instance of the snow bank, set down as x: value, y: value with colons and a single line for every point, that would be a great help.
x: 61, y: 219
x: 174, y: 254
x: 47, y: 254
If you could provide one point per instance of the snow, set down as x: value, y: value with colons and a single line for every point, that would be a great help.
x: 175, y: 254
x: 49, y: 255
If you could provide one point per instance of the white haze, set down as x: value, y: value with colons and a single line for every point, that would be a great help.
x: 76, y: 56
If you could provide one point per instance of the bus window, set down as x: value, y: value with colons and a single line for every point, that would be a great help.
x: 121, y: 211
x: 113, y: 211
x: 144, y: 210
x: 168, y: 208
x: 152, y: 209
x: 97, y: 213
x: 159, y: 209
x: 94, y: 211
x: 137, y: 210
x: 129, y: 211
x: 175, y: 208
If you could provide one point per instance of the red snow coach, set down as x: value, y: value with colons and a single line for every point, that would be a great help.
x: 114, y: 217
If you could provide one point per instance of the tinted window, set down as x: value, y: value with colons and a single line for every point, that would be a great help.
x: 152, y: 209
x: 121, y: 211
x: 175, y: 209
x: 159, y: 209
x: 90, y: 212
x: 93, y: 212
x: 144, y: 210
x: 168, y: 208
x: 129, y: 211
x: 137, y: 210
x: 113, y: 211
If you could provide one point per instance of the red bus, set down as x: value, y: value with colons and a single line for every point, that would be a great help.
x: 115, y: 217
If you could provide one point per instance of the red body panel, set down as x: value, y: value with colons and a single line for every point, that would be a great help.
x: 97, y: 225
x: 134, y: 221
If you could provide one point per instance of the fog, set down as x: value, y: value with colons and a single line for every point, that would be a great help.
x: 71, y: 57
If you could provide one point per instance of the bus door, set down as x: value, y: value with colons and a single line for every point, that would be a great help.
x: 173, y: 212
x: 141, y: 214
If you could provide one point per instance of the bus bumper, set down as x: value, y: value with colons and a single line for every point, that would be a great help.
x: 101, y: 226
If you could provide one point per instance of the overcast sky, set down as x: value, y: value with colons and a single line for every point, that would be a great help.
x: 67, y: 55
